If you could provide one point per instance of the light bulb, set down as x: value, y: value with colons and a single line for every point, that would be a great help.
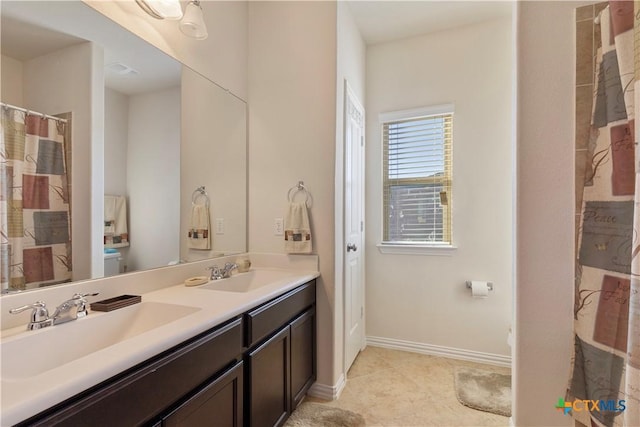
x: 192, y: 23
x: 162, y: 9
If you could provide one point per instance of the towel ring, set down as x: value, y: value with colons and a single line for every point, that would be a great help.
x: 199, y: 193
x: 297, y: 188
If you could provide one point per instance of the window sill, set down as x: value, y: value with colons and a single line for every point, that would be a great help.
x: 417, y: 249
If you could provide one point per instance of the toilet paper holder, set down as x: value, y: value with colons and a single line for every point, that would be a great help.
x: 489, y: 285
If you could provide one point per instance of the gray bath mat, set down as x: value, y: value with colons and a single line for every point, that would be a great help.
x: 484, y: 390
x: 318, y: 415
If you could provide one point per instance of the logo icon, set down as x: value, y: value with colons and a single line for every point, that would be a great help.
x: 580, y: 405
x: 563, y: 406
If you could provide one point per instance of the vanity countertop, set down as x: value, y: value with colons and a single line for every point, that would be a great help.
x: 25, y: 397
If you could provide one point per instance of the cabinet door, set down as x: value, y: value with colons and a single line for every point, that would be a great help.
x: 303, y: 355
x: 217, y: 404
x: 268, y: 381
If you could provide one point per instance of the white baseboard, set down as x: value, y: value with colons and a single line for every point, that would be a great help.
x: 436, y: 350
x: 328, y: 392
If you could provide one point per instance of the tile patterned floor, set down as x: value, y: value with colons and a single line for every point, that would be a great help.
x: 402, y: 389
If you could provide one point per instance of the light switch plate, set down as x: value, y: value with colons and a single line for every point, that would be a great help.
x: 219, y: 225
x: 278, y: 227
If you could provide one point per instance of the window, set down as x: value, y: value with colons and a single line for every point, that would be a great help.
x: 417, y: 148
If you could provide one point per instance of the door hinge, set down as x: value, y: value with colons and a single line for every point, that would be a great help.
x: 361, y: 312
x: 361, y: 225
x: 362, y: 140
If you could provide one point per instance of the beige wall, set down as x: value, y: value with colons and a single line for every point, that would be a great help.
x: 422, y: 298
x: 545, y: 210
x: 11, y: 75
x: 292, y: 111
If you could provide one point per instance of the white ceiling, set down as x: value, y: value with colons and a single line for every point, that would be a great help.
x: 23, y: 41
x: 383, y: 21
x: 33, y: 28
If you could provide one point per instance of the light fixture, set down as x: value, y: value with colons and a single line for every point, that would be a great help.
x: 162, y: 9
x: 192, y: 24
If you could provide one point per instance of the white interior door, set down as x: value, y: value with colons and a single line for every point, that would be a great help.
x: 353, y: 227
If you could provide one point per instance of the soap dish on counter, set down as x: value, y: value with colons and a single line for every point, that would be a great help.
x: 115, y: 303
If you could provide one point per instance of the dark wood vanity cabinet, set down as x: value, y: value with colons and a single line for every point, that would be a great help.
x: 250, y: 371
x: 141, y: 394
x: 281, y: 367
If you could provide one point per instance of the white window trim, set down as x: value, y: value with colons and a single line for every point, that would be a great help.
x: 416, y: 112
x: 417, y: 249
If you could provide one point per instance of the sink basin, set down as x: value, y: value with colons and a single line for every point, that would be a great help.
x: 250, y: 281
x: 34, y: 352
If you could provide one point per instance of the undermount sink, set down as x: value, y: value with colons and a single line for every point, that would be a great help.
x: 250, y: 281
x: 34, y: 352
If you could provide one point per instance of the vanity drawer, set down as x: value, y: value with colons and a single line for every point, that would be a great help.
x: 269, y: 317
x: 142, y: 393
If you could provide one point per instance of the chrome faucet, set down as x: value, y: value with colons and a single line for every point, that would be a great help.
x: 228, y: 268
x: 65, y: 312
x: 39, y: 315
x: 222, y: 272
x: 71, y: 309
x: 216, y: 273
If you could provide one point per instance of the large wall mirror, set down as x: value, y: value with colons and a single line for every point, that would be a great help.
x: 147, y: 143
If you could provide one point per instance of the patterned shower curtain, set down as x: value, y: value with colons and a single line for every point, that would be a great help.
x: 34, y: 202
x: 604, y: 389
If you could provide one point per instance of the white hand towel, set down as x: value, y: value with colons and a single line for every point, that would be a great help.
x: 297, y: 233
x: 110, y: 208
x: 115, y: 220
x: 198, y: 235
x: 121, y: 218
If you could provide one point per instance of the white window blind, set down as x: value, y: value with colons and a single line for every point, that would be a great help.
x: 417, y: 178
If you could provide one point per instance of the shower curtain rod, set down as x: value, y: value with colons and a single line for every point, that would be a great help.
x: 27, y: 112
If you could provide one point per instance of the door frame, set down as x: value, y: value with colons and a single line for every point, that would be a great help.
x: 349, y: 96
